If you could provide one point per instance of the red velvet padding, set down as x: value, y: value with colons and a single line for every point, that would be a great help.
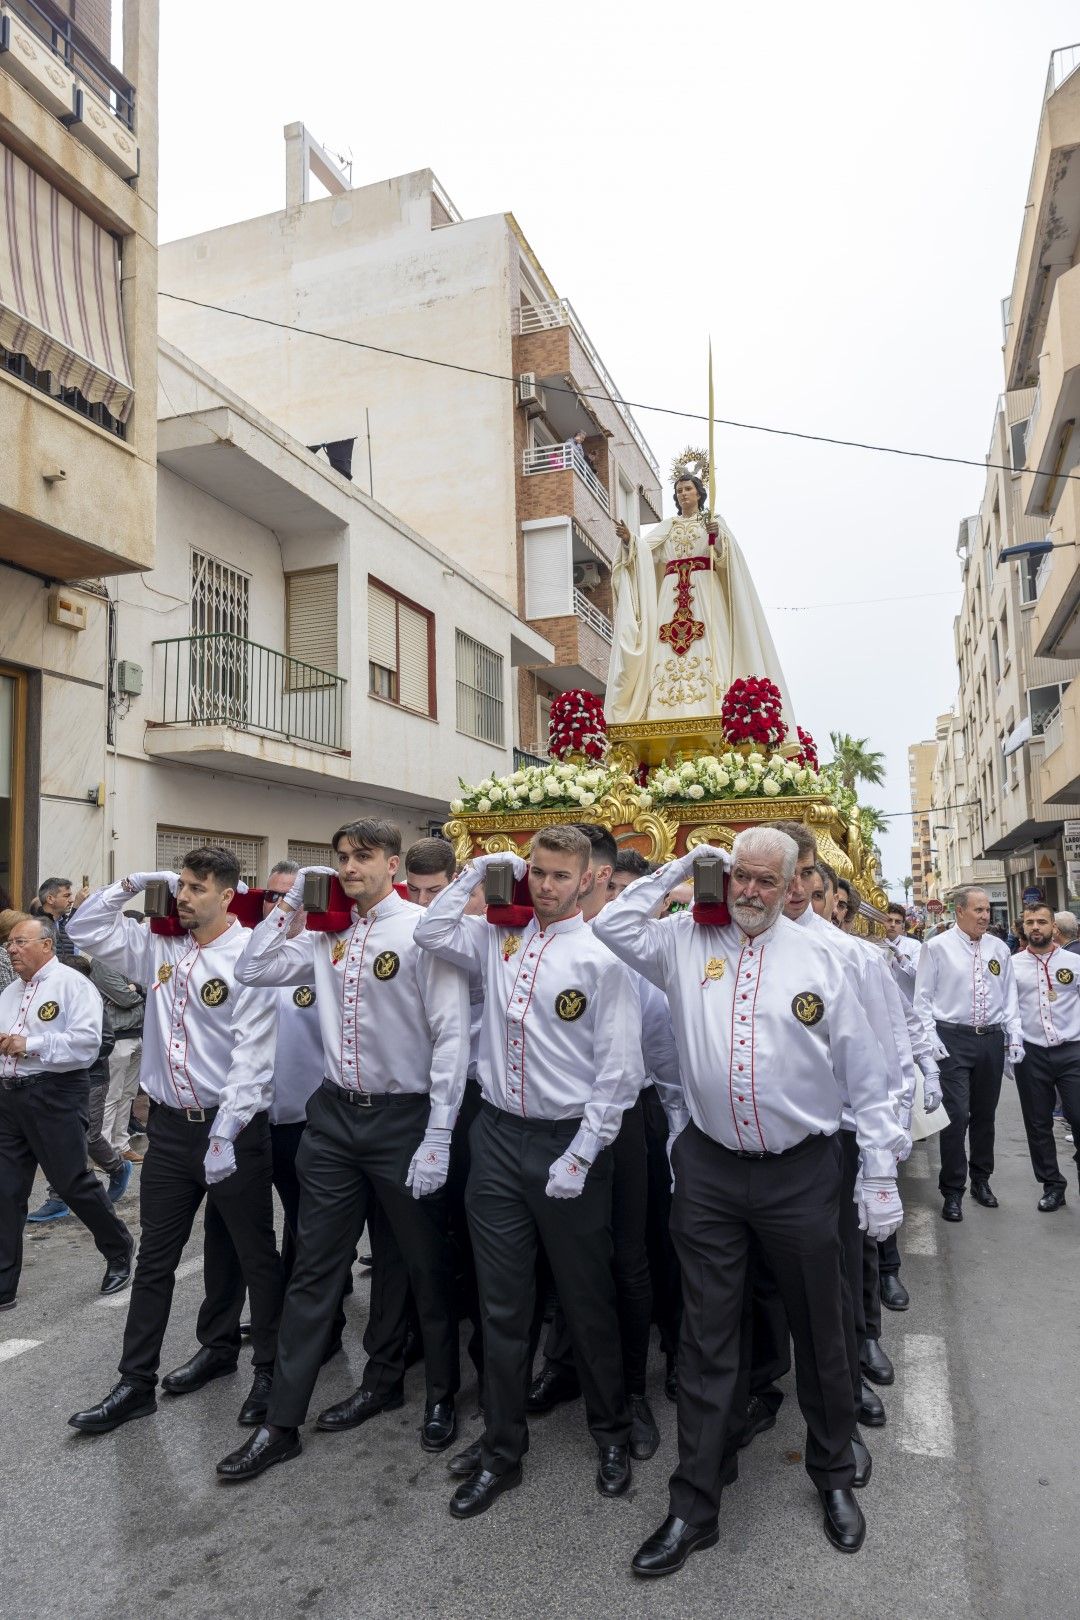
x: 248, y: 907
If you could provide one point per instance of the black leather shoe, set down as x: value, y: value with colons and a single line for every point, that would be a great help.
x: 439, y: 1428
x: 359, y: 1406
x: 759, y: 1417
x: 549, y: 1389
x: 671, y: 1383
x: 1053, y: 1198
x: 8, y: 1302
x: 118, y: 1272
x: 845, y: 1526
x: 253, y: 1411
x: 952, y: 1208
x: 467, y: 1462
x: 864, y: 1463
x: 478, y: 1492
x: 121, y: 1404
x: 871, y: 1412
x: 892, y: 1291
x: 644, y: 1435
x: 668, y: 1548
x: 613, y: 1475
x: 875, y: 1363
x: 980, y: 1191
x: 203, y: 1366
x: 260, y: 1453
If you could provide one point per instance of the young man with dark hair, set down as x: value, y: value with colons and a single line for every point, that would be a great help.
x: 429, y: 867
x: 560, y: 1059
x: 395, y: 1044
x: 1048, y: 987
x: 208, y: 1057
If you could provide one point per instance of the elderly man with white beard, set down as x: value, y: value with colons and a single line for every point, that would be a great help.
x: 772, y: 1041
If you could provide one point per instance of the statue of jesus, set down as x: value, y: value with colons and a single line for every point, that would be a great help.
x: 687, y: 618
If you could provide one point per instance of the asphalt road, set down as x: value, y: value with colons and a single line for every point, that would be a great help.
x: 972, y: 1510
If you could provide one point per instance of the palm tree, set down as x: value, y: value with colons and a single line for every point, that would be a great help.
x: 907, y: 884
x: 872, y: 821
x: 857, y: 762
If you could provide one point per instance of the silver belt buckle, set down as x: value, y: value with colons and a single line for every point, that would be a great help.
x: 363, y: 1099
x: 195, y: 1116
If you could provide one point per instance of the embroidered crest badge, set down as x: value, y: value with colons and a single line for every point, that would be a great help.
x: 1064, y: 975
x: 808, y: 1007
x: 305, y: 996
x: 993, y: 966
x: 511, y: 946
x: 387, y: 964
x: 570, y: 1004
x: 48, y: 1011
x: 214, y: 993
x: 164, y: 973
x: 715, y: 967
x: 337, y: 951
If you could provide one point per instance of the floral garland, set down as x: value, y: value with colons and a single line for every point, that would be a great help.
x: 729, y: 776
x: 808, y: 754
x: 535, y: 787
x: 577, y: 725
x: 753, y: 712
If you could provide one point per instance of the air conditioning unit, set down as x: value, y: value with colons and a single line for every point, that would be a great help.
x: 529, y: 395
x: 586, y: 575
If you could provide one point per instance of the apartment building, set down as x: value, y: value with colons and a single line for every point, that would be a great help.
x: 954, y: 822
x: 471, y: 443
x: 78, y: 199
x: 921, y: 757
x: 296, y: 658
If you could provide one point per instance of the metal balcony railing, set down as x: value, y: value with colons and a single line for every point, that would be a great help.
x: 1029, y: 430
x: 560, y: 312
x: 592, y: 616
x: 523, y: 758
x: 223, y: 680
x: 79, y: 53
x: 1051, y: 732
x: 1063, y: 62
x: 542, y: 458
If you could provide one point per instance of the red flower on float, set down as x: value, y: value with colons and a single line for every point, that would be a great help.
x: 577, y: 725
x: 808, y: 754
x: 753, y: 712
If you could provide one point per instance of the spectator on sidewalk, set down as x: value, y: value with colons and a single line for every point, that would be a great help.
x: 125, y: 1005
x: 1066, y: 929
x: 8, y: 918
x: 58, y: 900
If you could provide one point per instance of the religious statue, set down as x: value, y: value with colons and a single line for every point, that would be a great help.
x: 687, y: 618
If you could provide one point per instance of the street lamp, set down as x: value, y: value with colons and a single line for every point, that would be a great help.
x: 1033, y: 548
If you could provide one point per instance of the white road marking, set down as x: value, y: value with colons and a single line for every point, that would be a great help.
x: 918, y: 1235
x: 926, y: 1419
x: 182, y: 1271
x: 10, y: 1348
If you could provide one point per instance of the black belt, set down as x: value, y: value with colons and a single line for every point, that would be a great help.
x: 18, y: 1081
x: 503, y: 1116
x: 972, y: 1029
x: 744, y: 1153
x: 194, y: 1116
x: 371, y: 1099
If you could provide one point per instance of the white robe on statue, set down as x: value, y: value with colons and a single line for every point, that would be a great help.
x: 681, y: 637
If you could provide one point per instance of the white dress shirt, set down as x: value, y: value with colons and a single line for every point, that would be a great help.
x: 207, y: 1042
x: 298, y: 1058
x: 771, y: 1035
x: 392, y: 1019
x: 961, y: 980
x: 1048, y: 988
x: 660, y: 1053
x: 59, y: 1013
x: 902, y: 955
x: 561, y: 1034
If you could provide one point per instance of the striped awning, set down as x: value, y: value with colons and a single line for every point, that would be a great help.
x: 60, y: 289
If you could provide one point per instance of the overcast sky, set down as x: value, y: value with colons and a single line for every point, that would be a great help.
x: 834, y: 193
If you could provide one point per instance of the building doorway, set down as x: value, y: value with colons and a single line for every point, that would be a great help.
x: 12, y: 779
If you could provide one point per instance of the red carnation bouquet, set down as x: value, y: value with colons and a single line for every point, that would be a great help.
x: 807, y: 755
x: 753, y: 712
x: 577, y: 725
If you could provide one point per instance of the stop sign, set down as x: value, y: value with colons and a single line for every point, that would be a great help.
x: 935, y: 906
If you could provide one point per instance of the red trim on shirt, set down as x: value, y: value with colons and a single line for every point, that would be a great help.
x: 196, y: 947
x: 528, y: 1004
x: 753, y: 1011
x: 731, y: 1049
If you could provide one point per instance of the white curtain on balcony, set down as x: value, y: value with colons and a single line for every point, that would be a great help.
x: 60, y: 289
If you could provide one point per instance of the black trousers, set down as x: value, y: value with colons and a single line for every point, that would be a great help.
x: 767, y: 1337
x: 510, y: 1215
x: 45, y: 1123
x: 663, y: 1261
x: 348, y: 1158
x: 1044, y: 1069
x: 852, y: 1254
x: 171, y: 1190
x: 889, y: 1257
x: 633, y: 1284
x: 970, y: 1088
x: 790, y: 1203
x: 218, y: 1326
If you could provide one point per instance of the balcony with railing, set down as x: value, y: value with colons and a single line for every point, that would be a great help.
x: 224, y: 702
x: 62, y: 68
x: 591, y: 615
x: 547, y: 458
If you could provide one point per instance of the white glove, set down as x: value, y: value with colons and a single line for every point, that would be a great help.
x: 138, y: 881
x: 681, y: 868
x: 1016, y: 1052
x: 931, y: 1090
x: 220, y: 1160
x: 566, y: 1177
x: 477, y: 868
x: 295, y: 897
x: 880, y: 1209
x: 430, y: 1164
x: 905, y: 1151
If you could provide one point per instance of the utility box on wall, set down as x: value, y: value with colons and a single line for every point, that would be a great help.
x: 66, y: 610
x: 128, y: 678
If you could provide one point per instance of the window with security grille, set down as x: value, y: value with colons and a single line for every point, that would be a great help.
x: 173, y: 843
x: 311, y: 626
x: 401, y: 650
x: 311, y: 854
x: 218, y: 670
x: 479, y: 690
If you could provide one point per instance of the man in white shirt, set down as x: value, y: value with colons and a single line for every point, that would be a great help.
x: 207, y: 1065
x: 560, y: 1060
x: 1066, y: 928
x: 1048, y: 987
x: 772, y: 1041
x: 395, y: 1046
x: 901, y: 953
x: 965, y: 996
x: 50, y: 1032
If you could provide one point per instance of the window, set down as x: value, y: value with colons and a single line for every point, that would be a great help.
x: 311, y: 625
x: 1043, y: 704
x: 1018, y: 444
x: 401, y: 650
x: 1003, y: 638
x: 479, y: 690
x: 1029, y: 569
x: 218, y: 669
x: 311, y: 854
x: 995, y: 658
x: 173, y: 843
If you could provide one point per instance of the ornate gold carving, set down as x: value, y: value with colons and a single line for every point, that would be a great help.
x: 711, y: 833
